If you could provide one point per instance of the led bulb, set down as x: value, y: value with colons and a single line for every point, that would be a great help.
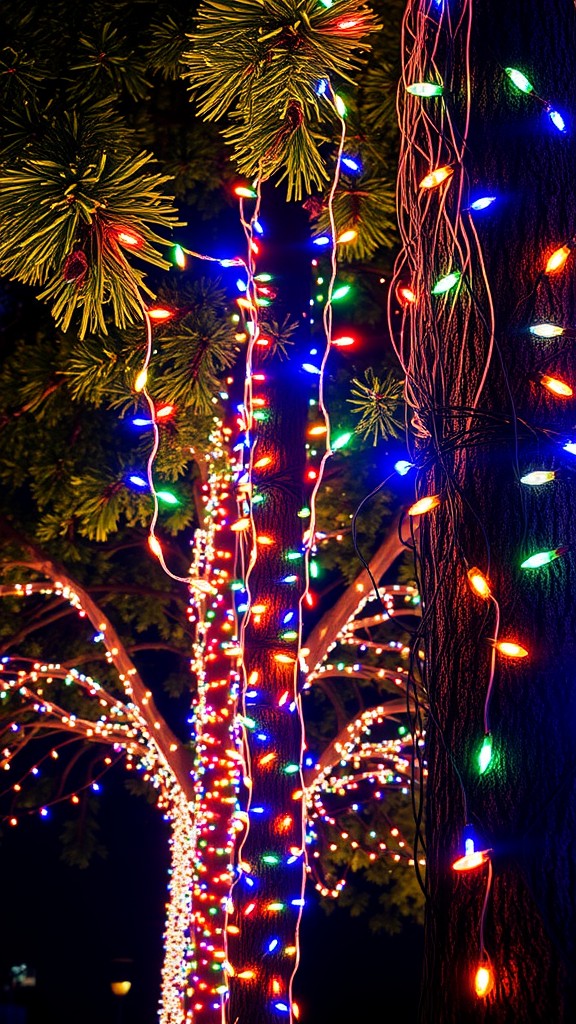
x: 340, y: 441
x: 537, y: 477
x: 485, y: 754
x: 478, y: 582
x: 179, y: 256
x: 519, y: 80
x: 510, y: 649
x: 446, y: 283
x: 244, y: 193
x: 542, y: 558
x: 341, y: 292
x: 483, y: 980
x: 556, y: 386
x: 557, y: 260
x: 340, y: 106
x: 546, y: 330
x: 483, y: 203
x: 140, y: 382
x: 347, y: 236
x: 159, y: 314
x: 425, y: 89
x: 557, y: 119
x: 424, y: 505
x: 436, y: 177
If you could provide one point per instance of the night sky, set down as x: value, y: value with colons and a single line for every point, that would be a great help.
x: 70, y: 925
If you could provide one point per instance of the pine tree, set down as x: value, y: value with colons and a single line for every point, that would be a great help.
x: 489, y: 372
x: 93, y: 105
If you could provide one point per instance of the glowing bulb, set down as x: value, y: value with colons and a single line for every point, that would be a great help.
x: 138, y: 481
x: 321, y: 240
x: 446, y: 283
x: 557, y: 119
x: 179, y: 256
x: 485, y: 754
x: 140, y: 382
x: 425, y: 89
x: 483, y: 203
x: 556, y: 386
x: 402, y: 467
x: 245, y: 975
x: 264, y: 461
x: 478, y: 582
x: 167, y: 497
x: 519, y: 80
x: 341, y: 292
x: 340, y: 105
x: 510, y: 649
x: 351, y: 164
x: 347, y: 236
x: 129, y: 238
x: 557, y: 260
x: 436, y: 177
x: 240, y: 525
x: 341, y: 441
x: 483, y: 980
x: 546, y: 330
x: 406, y: 295
x: 159, y: 314
x: 244, y: 193
x: 542, y: 558
x: 154, y: 545
x: 537, y: 477
x: 419, y: 508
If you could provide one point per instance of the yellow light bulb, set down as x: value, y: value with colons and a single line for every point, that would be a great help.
x: 557, y: 260
x: 424, y: 505
x: 140, y: 382
x: 510, y: 649
x: 483, y: 980
x: 478, y: 582
x: 436, y: 177
x: 556, y: 386
x: 154, y: 545
x: 347, y: 236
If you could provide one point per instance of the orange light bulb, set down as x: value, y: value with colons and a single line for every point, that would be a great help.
x: 347, y: 236
x: 470, y: 861
x: 557, y: 260
x: 424, y: 505
x: 478, y: 582
x: 436, y: 177
x: 240, y: 525
x: 510, y: 649
x: 159, y: 314
x: 483, y: 980
x: 556, y: 386
x: 406, y: 295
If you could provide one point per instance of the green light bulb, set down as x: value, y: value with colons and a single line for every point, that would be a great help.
x: 340, y: 441
x: 167, y: 497
x: 542, y: 558
x: 519, y: 80
x: 179, y: 256
x: 446, y: 283
x: 425, y: 89
x: 290, y: 769
x: 270, y: 858
x: 341, y: 292
x: 485, y: 755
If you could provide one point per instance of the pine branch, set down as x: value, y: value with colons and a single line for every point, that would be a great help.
x: 259, y: 62
x: 376, y: 402
x: 71, y: 216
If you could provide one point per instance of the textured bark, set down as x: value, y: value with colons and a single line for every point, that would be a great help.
x: 524, y: 805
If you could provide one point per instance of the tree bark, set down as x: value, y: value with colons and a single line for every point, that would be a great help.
x: 475, y: 441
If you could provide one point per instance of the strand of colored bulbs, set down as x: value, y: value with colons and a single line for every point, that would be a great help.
x: 423, y: 80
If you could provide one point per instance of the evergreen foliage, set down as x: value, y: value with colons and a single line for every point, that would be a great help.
x: 260, y: 64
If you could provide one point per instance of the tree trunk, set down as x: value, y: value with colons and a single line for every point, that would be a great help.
x: 484, y: 420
